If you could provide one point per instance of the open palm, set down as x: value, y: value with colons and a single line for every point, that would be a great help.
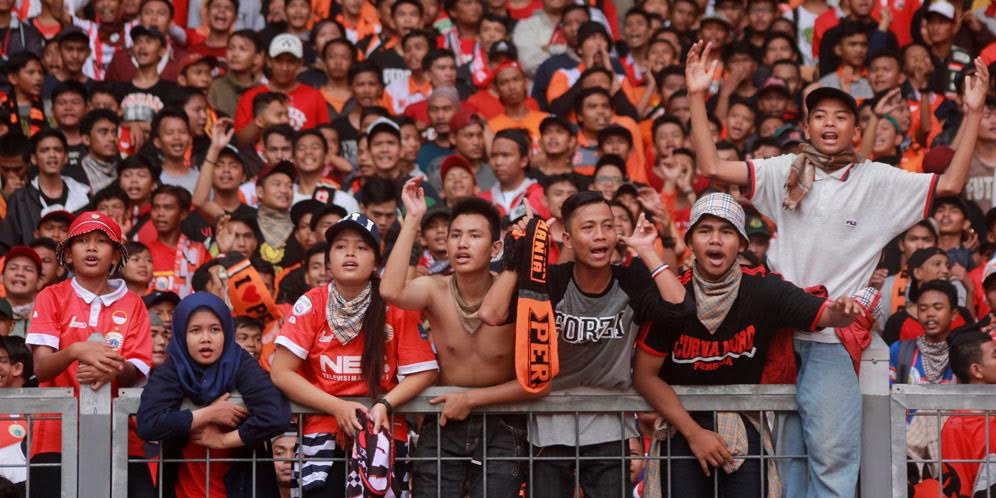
x: 699, y: 72
x: 976, y: 86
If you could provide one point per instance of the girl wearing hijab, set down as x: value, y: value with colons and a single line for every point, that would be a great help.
x: 203, y: 364
x: 343, y: 340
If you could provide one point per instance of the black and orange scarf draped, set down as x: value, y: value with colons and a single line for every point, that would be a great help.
x: 30, y: 124
x: 536, y: 359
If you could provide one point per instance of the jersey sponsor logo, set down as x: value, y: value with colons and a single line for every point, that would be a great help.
x: 342, y: 368
x: 586, y: 329
x: 710, y: 355
x: 851, y: 223
x: 73, y: 324
x: 119, y: 317
x: 302, y: 306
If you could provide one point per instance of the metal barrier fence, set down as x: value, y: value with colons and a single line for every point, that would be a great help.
x: 743, y: 398
x: 30, y: 405
x: 935, y: 403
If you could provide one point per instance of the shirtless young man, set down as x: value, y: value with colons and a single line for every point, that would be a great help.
x: 470, y: 354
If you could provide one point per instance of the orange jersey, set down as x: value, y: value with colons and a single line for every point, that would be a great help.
x: 336, y: 368
x: 66, y: 313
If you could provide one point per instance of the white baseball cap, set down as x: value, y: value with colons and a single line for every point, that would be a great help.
x: 287, y: 43
x: 943, y: 8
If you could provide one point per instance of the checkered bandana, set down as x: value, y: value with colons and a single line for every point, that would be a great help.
x: 722, y: 206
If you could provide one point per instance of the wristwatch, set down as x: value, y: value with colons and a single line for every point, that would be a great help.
x: 386, y: 403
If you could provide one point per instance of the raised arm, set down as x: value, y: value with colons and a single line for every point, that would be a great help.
x: 698, y: 78
x: 885, y: 106
x: 220, y: 138
x: 976, y: 86
x: 395, y: 288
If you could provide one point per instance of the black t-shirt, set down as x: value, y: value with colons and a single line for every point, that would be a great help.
x: 143, y: 103
x: 391, y: 63
x: 736, y: 352
x: 52, y: 201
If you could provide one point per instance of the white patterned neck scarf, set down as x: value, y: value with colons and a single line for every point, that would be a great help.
x: 934, y: 358
x: 345, y: 318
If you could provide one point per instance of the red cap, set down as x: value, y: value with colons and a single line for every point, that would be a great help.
x: 25, y: 252
x: 455, y: 161
x: 503, y: 65
x: 463, y: 118
x: 88, y: 222
x: 938, y: 159
x: 193, y: 58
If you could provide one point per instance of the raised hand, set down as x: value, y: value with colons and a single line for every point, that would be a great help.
x: 221, y: 134
x: 644, y: 235
x: 413, y: 198
x: 699, y: 73
x: 889, y: 103
x: 976, y: 87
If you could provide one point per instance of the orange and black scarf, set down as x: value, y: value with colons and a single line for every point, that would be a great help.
x: 536, y: 360
x: 30, y: 124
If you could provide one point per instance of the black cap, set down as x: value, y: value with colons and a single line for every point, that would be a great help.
x: 304, y: 207
x: 285, y: 167
x: 232, y: 151
x: 153, y: 32
x: 327, y: 209
x: 626, y: 188
x: 503, y: 48
x: 590, y: 28
x: 71, y: 32
x: 614, y: 130
x: 922, y: 255
x: 756, y: 226
x: 437, y: 211
x: 383, y: 124
x: 556, y: 120
x: 157, y: 297
x: 828, y: 93
x: 356, y: 221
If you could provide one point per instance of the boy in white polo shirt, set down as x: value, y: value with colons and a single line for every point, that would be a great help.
x: 835, y: 212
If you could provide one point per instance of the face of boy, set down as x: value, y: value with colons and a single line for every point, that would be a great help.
x: 434, y: 235
x: 137, y: 183
x: 50, y: 266
x: 166, y: 213
x: 317, y: 274
x: 506, y: 161
x: 93, y: 254
x: 276, y: 192
x: 985, y: 371
x: 160, y: 338
x: 53, y: 229
x: 283, y: 447
x: 205, y: 337
x: 934, y: 313
x: 469, y: 243
x: 50, y: 156
x: 936, y: 267
x: 382, y: 214
x: 469, y: 142
x: 164, y: 310
x: 8, y: 371
x: 950, y: 219
x: 555, y: 141
x: 591, y: 234
x: 20, y: 278
x: 831, y: 127
x: 250, y: 339
x: 138, y: 267
x: 716, y: 244
x: 173, y: 138
x: 351, y: 259
x: 277, y: 147
x: 555, y: 196
x: 459, y: 183
x: 155, y: 14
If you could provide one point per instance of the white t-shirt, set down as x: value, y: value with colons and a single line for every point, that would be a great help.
x: 836, y: 234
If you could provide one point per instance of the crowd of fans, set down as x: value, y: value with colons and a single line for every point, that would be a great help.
x: 311, y: 200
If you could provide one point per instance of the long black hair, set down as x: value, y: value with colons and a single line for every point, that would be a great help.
x: 374, y: 339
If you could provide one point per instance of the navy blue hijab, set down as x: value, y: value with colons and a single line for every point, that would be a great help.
x: 203, y: 384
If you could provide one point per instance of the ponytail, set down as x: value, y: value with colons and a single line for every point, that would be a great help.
x: 374, y: 337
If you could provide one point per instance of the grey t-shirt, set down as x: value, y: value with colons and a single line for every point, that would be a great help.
x: 595, y: 346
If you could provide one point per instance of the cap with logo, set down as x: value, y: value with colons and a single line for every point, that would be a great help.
x: 286, y: 43
x: 502, y: 48
x: 232, y: 151
x: 356, y: 221
x: 757, y: 226
x: 91, y: 221
x: 828, y: 93
x: 722, y: 206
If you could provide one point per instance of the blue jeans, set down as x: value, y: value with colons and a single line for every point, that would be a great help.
x: 827, y: 428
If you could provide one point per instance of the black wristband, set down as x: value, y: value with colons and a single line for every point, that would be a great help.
x: 510, y: 253
x: 386, y: 403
